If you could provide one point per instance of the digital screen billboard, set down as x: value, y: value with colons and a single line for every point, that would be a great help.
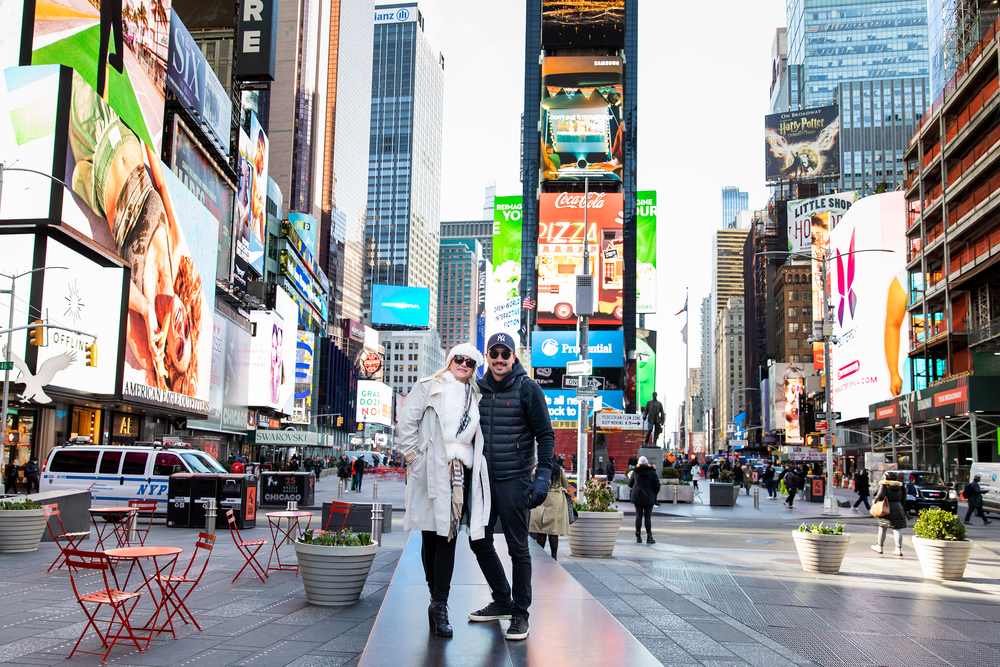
x: 583, y: 22
x: 788, y: 383
x: 802, y: 144
x: 560, y: 255
x: 406, y: 306
x: 304, y: 355
x: 229, y: 383
x: 581, y: 118
x: 564, y: 406
x: 266, y: 360
x: 869, y: 301
x: 554, y: 348
x: 287, y: 310
x: 250, y: 227
x: 802, y: 211
x: 503, y: 300
x: 122, y: 55
x: 374, y: 403
x: 645, y: 251
x: 307, y: 229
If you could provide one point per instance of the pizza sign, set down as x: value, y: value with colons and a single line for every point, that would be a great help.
x: 372, y: 363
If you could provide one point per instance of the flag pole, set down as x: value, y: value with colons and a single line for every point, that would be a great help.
x: 689, y: 409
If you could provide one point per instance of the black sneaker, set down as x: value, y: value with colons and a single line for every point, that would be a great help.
x: 491, y: 612
x: 518, y: 628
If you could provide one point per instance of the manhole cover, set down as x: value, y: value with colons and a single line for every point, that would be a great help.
x: 764, y: 541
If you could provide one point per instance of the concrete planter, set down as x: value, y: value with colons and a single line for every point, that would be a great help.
x: 593, y: 534
x: 821, y: 553
x: 685, y: 493
x: 21, y: 530
x: 722, y: 494
x: 942, y: 559
x: 334, y: 576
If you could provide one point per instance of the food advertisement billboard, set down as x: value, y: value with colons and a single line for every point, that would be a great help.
x: 802, y: 211
x: 374, y: 403
x: 229, y: 382
x: 503, y: 299
x: 869, y: 301
x: 406, y: 306
x: 190, y: 164
x: 581, y: 118
x: 645, y: 251
x: 121, y: 52
x: 583, y: 22
x: 560, y: 255
x: 250, y: 227
x: 802, y: 144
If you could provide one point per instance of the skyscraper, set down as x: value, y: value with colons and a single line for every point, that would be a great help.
x: 734, y: 200
x: 402, y: 228
x: 727, y: 266
x: 458, y: 292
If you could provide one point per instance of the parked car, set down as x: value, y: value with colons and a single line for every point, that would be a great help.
x: 930, y: 492
x: 990, y: 484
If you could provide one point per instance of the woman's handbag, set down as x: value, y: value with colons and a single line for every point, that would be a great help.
x: 570, y: 508
x: 880, y: 508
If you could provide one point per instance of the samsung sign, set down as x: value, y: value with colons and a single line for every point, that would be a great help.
x: 555, y: 348
x: 401, y: 15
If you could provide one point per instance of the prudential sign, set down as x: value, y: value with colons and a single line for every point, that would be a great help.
x: 555, y: 348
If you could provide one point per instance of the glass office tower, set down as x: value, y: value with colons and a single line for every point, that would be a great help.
x: 734, y: 200
x: 402, y: 228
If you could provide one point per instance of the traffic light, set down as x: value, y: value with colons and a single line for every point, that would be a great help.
x: 361, y: 426
x: 92, y: 354
x: 37, y: 337
x: 340, y: 421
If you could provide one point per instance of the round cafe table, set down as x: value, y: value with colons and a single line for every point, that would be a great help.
x: 119, y: 526
x: 285, y: 535
x: 164, y: 559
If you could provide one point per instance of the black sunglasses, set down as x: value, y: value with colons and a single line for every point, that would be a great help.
x: 505, y: 353
x: 468, y: 361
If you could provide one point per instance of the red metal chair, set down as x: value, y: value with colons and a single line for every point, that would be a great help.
x: 172, y: 582
x: 72, y: 539
x: 248, y: 548
x: 142, y: 530
x: 338, y: 508
x: 109, y: 595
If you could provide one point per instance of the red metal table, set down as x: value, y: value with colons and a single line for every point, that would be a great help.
x: 281, y: 536
x: 119, y: 526
x: 163, y: 558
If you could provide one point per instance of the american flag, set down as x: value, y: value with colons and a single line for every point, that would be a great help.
x: 528, y: 304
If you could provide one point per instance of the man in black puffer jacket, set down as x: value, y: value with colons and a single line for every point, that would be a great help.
x: 514, y: 416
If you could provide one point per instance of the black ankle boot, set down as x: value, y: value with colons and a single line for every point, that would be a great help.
x: 638, y: 537
x: 437, y: 614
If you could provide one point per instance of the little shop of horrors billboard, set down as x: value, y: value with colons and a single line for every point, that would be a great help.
x: 802, y: 144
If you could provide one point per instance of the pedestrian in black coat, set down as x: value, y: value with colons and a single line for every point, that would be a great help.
x: 610, y: 470
x: 861, y: 484
x: 891, y: 489
x: 973, y: 495
x: 645, y: 485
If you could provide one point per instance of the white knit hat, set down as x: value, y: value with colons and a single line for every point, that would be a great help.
x: 466, y: 350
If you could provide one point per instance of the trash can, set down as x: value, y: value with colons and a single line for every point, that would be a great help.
x: 815, y: 488
x: 203, y: 487
x: 277, y: 488
x: 179, y: 500
x: 237, y: 493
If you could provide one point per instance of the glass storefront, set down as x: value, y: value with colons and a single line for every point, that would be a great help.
x: 86, y: 423
x: 19, y: 438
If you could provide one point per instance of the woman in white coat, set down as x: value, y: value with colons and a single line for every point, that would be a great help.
x: 447, y: 486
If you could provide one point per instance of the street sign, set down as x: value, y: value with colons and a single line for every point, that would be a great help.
x: 622, y: 420
x: 586, y: 392
x: 580, y: 367
x: 6, y: 365
x: 822, y: 425
x: 575, y: 382
x: 820, y: 416
x: 738, y: 444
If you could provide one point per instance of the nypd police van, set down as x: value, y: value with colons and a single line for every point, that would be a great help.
x: 116, y: 474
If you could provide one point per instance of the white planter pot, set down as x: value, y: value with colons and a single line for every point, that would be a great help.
x: 21, y: 530
x: 593, y: 534
x: 942, y: 559
x: 821, y: 553
x: 623, y: 492
x: 334, y: 576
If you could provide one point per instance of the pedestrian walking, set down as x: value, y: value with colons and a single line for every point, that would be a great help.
x: 238, y: 467
x: 891, y: 490
x: 645, y: 485
x: 747, y: 479
x: 861, y: 485
x: 610, y: 470
x: 516, y: 425
x: 791, y: 481
x: 359, y: 472
x: 343, y: 470
x: 447, y: 483
x: 31, y: 473
x: 769, y: 480
x: 973, y: 496
x: 551, y: 518
x: 10, y: 477
x: 632, y: 461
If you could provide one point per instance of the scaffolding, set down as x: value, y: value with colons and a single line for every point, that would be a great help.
x: 947, y: 446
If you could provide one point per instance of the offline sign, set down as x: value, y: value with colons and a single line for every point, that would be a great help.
x: 374, y: 403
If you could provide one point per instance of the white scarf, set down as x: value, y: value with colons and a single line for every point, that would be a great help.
x: 460, y: 446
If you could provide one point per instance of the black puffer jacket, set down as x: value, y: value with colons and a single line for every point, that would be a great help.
x: 645, y: 484
x: 894, y: 492
x: 514, y: 417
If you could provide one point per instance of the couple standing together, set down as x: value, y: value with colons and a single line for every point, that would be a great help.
x: 470, y: 452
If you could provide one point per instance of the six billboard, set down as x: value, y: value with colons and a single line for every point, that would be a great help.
x: 581, y: 118
x: 869, y: 299
x: 802, y: 144
x: 405, y: 306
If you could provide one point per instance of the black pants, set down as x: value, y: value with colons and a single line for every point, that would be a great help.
x: 438, y: 554
x: 978, y: 511
x: 511, y: 506
x: 553, y: 542
x: 791, y: 497
x: 862, y: 499
x: 644, y: 513
x: 33, y: 482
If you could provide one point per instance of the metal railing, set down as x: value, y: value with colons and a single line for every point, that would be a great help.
x: 981, y: 334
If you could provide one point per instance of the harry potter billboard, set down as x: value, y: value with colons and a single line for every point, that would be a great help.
x: 802, y: 144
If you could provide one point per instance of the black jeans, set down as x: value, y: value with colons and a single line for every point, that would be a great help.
x: 862, y: 499
x: 791, y: 497
x: 978, y: 511
x: 644, y: 513
x: 509, y: 503
x: 438, y: 554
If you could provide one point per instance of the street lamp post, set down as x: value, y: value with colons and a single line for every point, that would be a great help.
x: 581, y: 415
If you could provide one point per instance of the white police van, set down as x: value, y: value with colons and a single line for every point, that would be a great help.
x: 116, y: 474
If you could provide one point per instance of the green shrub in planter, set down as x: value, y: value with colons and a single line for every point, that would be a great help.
x: 726, y: 477
x: 343, y: 538
x: 670, y: 472
x: 23, y: 504
x: 938, y: 524
x: 820, y: 529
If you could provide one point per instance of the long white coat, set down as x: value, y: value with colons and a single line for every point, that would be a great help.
x: 428, y: 482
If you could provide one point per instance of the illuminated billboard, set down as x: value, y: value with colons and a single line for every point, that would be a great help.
x: 869, y: 305
x: 229, y: 382
x: 787, y: 384
x: 400, y: 305
x: 581, y: 118
x: 266, y: 360
x: 503, y: 300
x: 122, y: 55
x: 560, y: 255
x: 304, y: 355
x: 583, y: 22
x: 374, y: 403
x: 250, y: 227
x: 645, y: 251
x: 801, y: 212
x: 288, y: 312
x: 802, y: 144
